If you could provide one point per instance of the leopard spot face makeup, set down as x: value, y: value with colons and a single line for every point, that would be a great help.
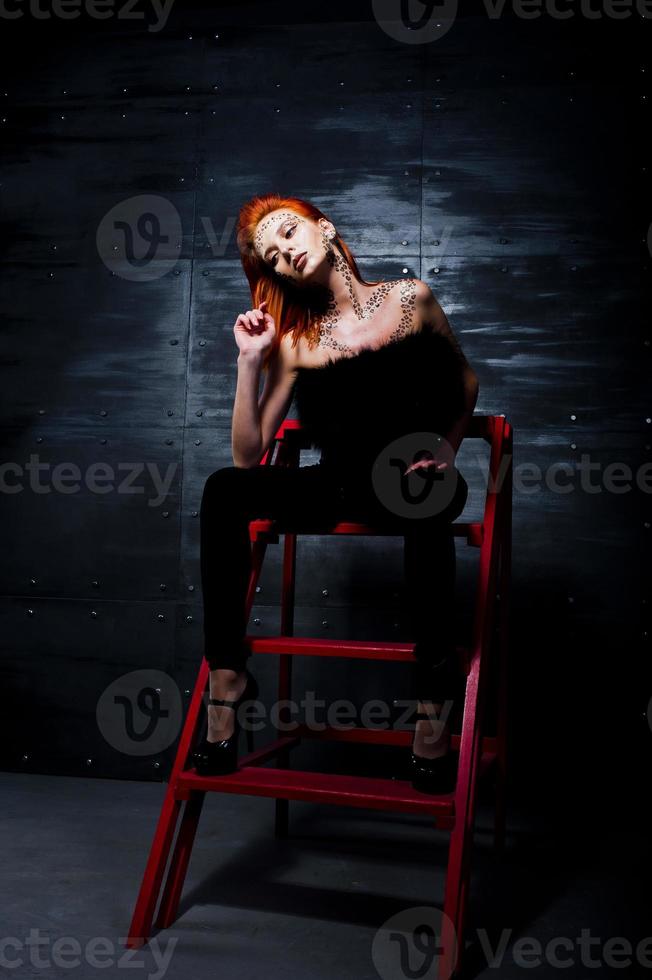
x: 277, y: 218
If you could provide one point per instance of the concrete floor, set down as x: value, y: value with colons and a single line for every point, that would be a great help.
x: 309, y: 907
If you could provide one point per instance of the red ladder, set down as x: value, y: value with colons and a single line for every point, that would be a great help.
x: 480, y: 755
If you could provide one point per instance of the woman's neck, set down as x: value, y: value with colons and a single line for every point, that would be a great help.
x: 339, y: 295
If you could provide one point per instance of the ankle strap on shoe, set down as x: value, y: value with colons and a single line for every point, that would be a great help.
x: 229, y: 704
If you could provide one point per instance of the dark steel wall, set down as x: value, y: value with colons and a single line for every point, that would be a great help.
x: 503, y: 163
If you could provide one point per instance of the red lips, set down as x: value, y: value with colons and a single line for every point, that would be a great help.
x: 297, y: 259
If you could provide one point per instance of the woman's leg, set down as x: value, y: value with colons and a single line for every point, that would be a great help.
x: 430, y: 577
x: 232, y: 497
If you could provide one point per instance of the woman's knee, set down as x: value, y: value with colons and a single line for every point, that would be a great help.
x: 222, y: 482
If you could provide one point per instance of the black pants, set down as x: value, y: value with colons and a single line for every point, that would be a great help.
x: 310, y: 499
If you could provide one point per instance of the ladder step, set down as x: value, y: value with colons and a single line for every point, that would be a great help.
x: 266, y: 527
x: 316, y: 787
x: 312, y: 646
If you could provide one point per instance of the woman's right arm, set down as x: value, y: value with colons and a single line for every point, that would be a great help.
x: 246, y: 437
x: 255, y: 422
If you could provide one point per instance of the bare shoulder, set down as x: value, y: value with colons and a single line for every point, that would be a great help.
x: 429, y: 312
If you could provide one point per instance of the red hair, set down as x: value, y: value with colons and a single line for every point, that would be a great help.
x: 283, y: 303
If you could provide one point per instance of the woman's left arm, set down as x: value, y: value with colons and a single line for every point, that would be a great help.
x: 432, y: 317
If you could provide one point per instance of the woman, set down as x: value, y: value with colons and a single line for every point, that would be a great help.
x: 370, y: 363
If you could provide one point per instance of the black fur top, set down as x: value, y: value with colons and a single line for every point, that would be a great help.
x: 353, y: 406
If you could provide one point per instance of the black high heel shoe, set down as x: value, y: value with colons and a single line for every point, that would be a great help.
x: 434, y: 776
x: 221, y: 758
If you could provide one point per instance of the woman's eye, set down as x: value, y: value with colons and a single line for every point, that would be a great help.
x: 273, y: 259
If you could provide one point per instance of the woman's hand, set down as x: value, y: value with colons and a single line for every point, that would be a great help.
x: 441, y: 460
x: 255, y: 330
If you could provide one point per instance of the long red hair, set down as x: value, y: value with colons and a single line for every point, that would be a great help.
x: 288, y: 312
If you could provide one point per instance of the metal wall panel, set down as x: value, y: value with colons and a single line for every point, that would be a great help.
x: 502, y: 164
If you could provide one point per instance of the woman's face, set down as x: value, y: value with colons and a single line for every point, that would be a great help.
x: 293, y: 246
